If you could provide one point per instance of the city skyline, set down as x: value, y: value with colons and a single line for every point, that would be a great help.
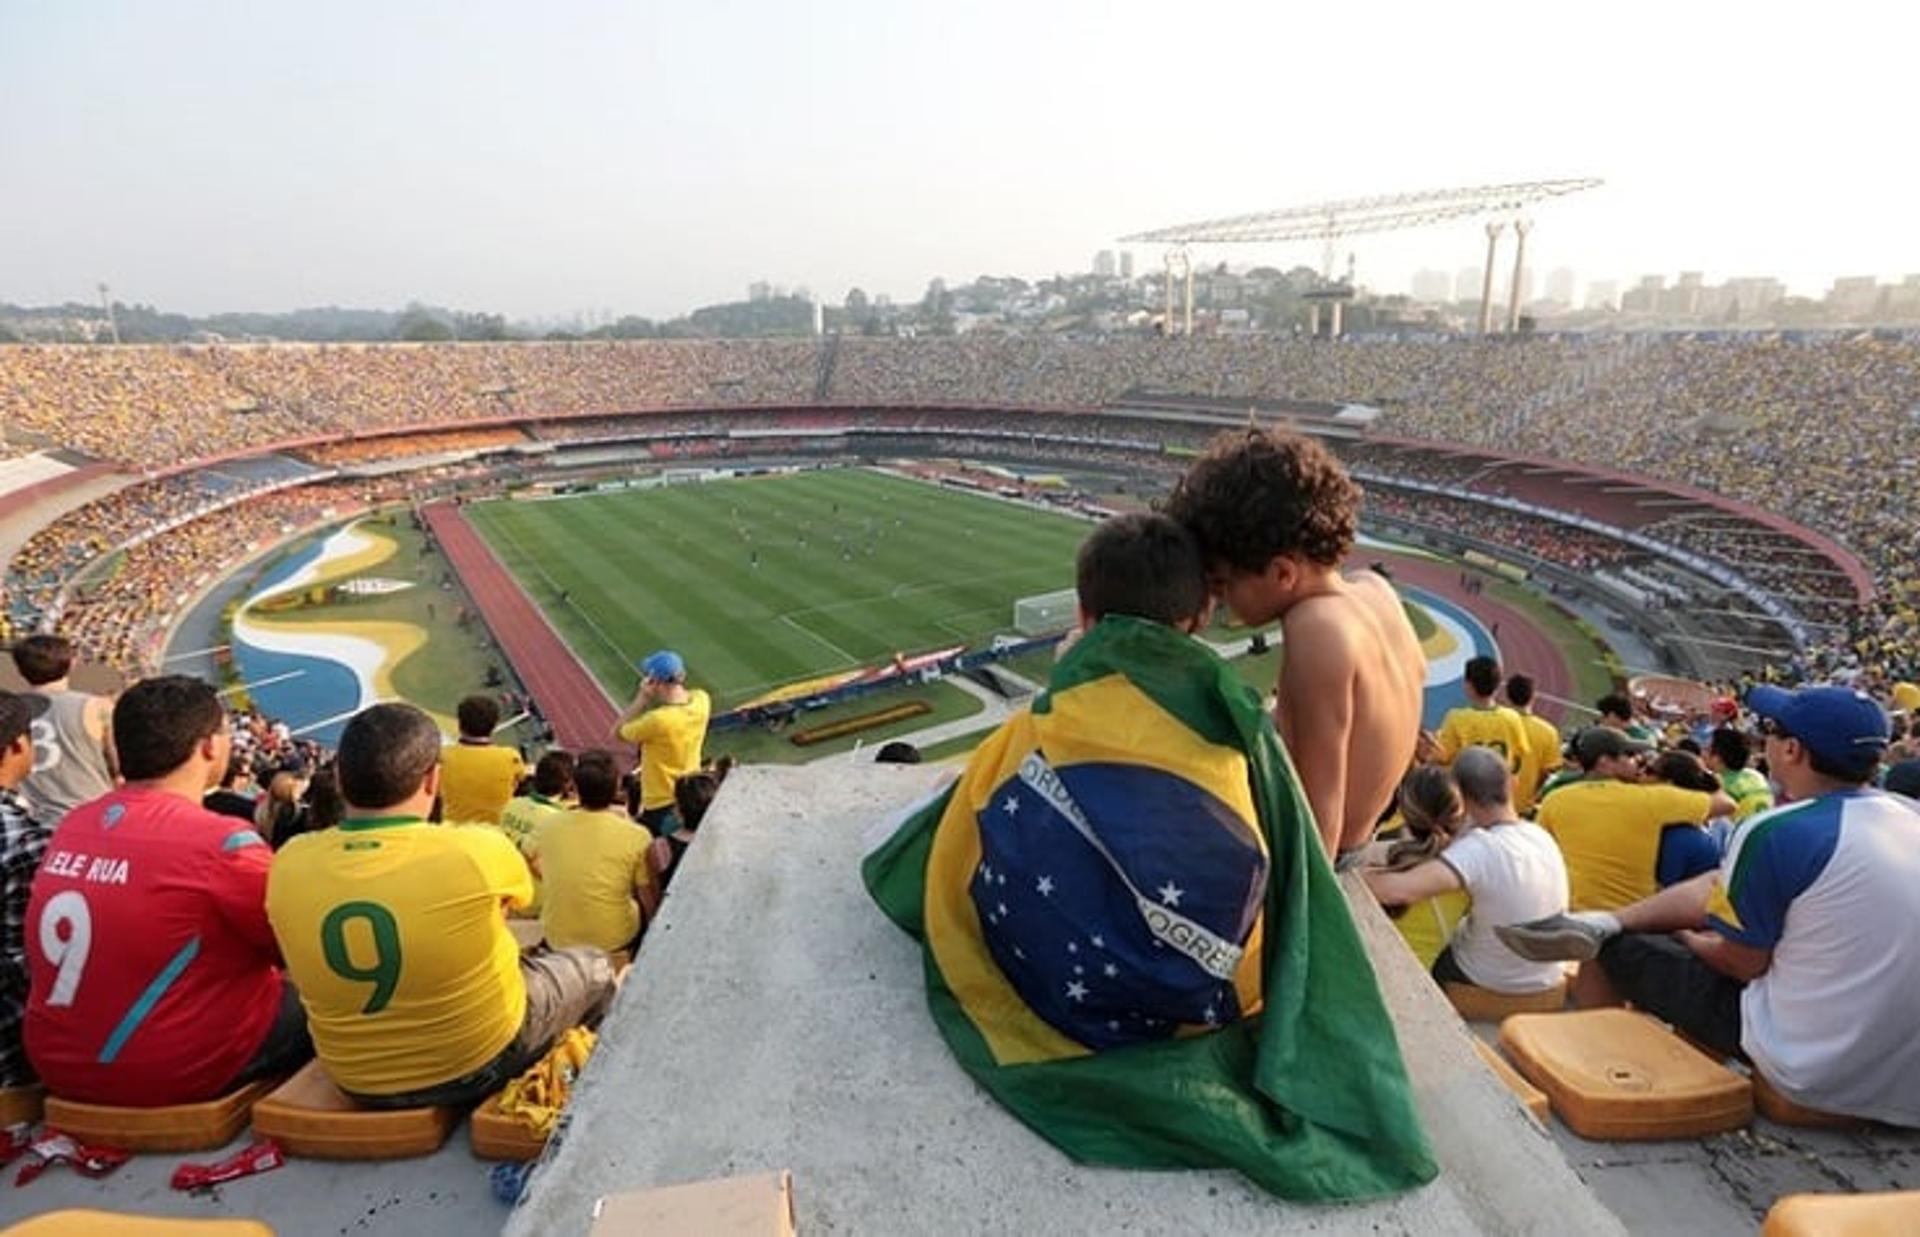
x: 227, y: 156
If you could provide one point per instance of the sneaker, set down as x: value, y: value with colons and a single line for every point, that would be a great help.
x: 1557, y: 938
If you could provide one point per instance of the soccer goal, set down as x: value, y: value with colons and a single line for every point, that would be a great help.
x: 1045, y: 613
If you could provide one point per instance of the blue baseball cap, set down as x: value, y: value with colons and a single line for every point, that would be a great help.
x: 664, y: 665
x: 1845, y: 728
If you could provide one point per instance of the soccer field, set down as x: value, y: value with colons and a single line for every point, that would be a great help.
x: 762, y: 581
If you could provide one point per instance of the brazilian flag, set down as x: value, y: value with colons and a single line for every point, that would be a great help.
x: 1135, y: 943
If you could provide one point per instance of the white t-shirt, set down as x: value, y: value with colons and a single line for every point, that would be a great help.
x: 1514, y: 873
x: 1832, y: 886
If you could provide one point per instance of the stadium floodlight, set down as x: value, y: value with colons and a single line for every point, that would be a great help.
x: 1046, y: 613
x: 1352, y: 216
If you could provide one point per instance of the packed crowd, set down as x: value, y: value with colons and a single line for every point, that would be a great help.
x: 371, y: 450
x: 1810, y: 429
x: 1563, y: 545
x: 122, y: 613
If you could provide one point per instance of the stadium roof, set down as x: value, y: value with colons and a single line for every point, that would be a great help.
x: 1350, y: 216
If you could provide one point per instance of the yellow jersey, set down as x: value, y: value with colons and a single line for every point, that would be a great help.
x: 591, y: 864
x: 1543, y: 757
x: 520, y: 820
x: 1609, y: 834
x: 1493, y: 725
x: 1427, y: 925
x: 669, y: 737
x: 476, y: 780
x: 393, y: 931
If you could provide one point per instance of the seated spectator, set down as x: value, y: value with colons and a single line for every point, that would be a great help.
x: 1543, y: 746
x: 1686, y: 850
x: 692, y: 796
x: 1616, y: 713
x: 667, y: 721
x: 396, y: 930
x: 1609, y: 824
x: 230, y: 797
x: 1431, y: 814
x: 155, y: 979
x: 73, y: 757
x: 1728, y: 754
x: 277, y: 813
x: 1511, y: 870
x: 476, y: 777
x: 1803, y: 950
x: 593, y: 861
x: 1485, y: 722
x: 23, y: 840
x: 548, y: 795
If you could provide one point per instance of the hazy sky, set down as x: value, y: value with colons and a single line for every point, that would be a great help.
x: 647, y: 157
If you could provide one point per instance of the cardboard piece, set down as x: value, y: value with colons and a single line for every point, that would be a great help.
x: 757, y: 1206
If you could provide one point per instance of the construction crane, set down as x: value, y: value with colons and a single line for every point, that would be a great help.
x: 1328, y: 221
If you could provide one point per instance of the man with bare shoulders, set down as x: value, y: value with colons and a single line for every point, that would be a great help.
x: 1275, y: 513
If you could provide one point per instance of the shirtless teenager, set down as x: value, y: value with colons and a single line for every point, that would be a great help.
x: 1274, y: 514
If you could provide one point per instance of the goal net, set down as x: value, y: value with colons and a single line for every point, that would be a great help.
x: 1045, y: 613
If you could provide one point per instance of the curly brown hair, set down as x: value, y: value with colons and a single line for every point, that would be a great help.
x: 1258, y: 494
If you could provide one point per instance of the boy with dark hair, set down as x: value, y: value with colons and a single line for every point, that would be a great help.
x: 395, y: 929
x: 476, y: 777
x: 1543, y: 743
x: 1485, y: 722
x: 1728, y: 752
x: 155, y: 979
x: 593, y: 861
x: 1275, y: 514
x: 546, y: 797
x: 73, y: 758
x: 1616, y: 713
x: 1144, y: 566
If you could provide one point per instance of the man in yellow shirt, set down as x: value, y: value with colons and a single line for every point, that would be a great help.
x: 524, y: 814
x: 593, y: 861
x: 1543, y: 745
x: 1610, y: 823
x: 1484, y: 722
x: 393, y: 929
x: 668, y: 723
x: 477, y: 778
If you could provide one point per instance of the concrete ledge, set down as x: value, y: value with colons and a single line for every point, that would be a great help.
x: 776, y: 1020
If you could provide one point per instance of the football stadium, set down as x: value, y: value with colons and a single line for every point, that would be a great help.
x: 657, y: 620
x: 855, y: 543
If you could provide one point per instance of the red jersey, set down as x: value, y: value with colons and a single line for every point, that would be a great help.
x: 154, y: 973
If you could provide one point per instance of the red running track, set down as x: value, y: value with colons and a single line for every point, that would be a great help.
x: 570, y: 698
x: 1524, y: 648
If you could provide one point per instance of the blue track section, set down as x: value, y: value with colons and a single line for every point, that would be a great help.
x: 323, y: 688
x: 1448, y: 693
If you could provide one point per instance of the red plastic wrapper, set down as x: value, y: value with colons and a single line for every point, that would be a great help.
x: 53, y: 1147
x: 263, y: 1156
x: 13, y: 1141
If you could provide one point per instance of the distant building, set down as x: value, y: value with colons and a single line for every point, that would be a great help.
x: 1755, y: 294
x: 1466, y: 284
x: 1103, y: 264
x: 1644, y: 297
x: 760, y: 290
x: 1126, y: 264
x: 1432, y: 287
x: 1603, y: 294
x: 1560, y: 286
x: 1854, y: 295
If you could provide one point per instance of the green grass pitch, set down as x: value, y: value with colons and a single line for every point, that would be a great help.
x: 762, y: 581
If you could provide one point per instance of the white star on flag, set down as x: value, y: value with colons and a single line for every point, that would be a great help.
x: 1045, y: 886
x: 1011, y: 807
x: 1072, y: 948
x: 1111, y: 970
x: 1076, y: 990
x: 1000, y: 907
x: 1170, y: 893
x: 1099, y: 942
x: 986, y: 873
